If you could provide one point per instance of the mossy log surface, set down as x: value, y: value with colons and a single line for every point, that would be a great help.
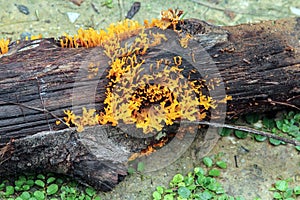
x: 259, y: 65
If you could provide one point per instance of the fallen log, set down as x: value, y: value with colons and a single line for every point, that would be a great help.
x: 259, y: 65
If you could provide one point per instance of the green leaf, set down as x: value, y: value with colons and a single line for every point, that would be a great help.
x: 225, y: 131
x: 184, y: 192
x: 281, y: 185
x: 17, y: 188
x: 279, y: 124
x: 50, y: 180
x: 240, y: 134
x: 22, y: 178
x: 206, y: 195
x: 90, y: 191
x: 85, y: 197
x: 181, y: 184
x: 25, y: 195
x: 294, y: 130
x: 214, y: 172
x: 52, y: 189
x: 223, y: 197
x: 260, y: 138
x: 41, y: 176
x: 275, y: 130
x: 297, y: 147
x: 216, y: 187
x: 2, y: 185
x: 208, y: 161
x: 19, y: 183
x: 277, y: 195
x: 297, y: 117
x: 291, y: 114
x: 297, y: 190
x: 26, y: 187
x: 160, y: 189
x: 252, y: 118
x: 140, y: 167
x: 169, y: 197
x: 200, y: 180
x: 275, y: 142
x: 189, y: 180
x: 156, y: 195
x: 131, y: 170
x: 198, y: 171
x: 177, y: 178
x: 286, y: 121
x: 97, y: 198
x: 192, y: 187
x: 285, y: 128
x: 30, y: 182
x: 59, y: 181
x: 168, y: 190
x: 288, y: 193
x: 39, y: 195
x: 40, y: 183
x: 9, y: 190
x: 268, y: 123
x: 221, y: 164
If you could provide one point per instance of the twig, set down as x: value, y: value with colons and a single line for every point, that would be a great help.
x: 246, y: 129
x: 280, y: 103
x: 34, y: 108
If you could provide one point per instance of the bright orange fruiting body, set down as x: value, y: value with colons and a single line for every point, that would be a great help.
x: 4, y: 46
x: 148, y: 99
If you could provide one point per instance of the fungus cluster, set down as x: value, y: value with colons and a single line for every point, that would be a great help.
x: 151, y: 98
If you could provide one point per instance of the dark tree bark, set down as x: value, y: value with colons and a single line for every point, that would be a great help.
x: 89, y: 157
x: 259, y: 65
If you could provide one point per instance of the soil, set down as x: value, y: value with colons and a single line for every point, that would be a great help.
x: 252, y: 169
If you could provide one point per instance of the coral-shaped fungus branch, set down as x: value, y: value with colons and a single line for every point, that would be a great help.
x: 4, y: 46
x: 148, y: 100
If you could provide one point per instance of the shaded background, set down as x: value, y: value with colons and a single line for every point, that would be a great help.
x: 50, y: 18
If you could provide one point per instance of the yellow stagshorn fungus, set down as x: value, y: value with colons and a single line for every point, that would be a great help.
x: 5, y: 42
x: 149, y: 99
x: 92, y: 38
x: 4, y: 46
x: 118, y: 31
x: 88, y: 118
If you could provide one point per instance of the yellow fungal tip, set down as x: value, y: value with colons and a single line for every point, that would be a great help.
x: 4, y: 46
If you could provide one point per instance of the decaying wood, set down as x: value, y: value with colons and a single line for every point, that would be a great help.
x: 259, y: 64
x: 66, y: 152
